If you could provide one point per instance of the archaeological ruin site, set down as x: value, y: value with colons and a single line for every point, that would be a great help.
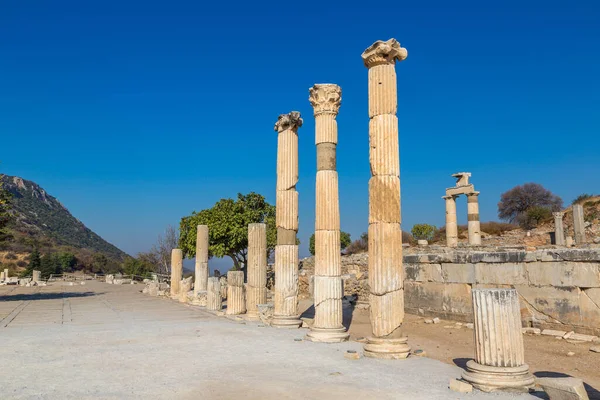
x: 366, y: 325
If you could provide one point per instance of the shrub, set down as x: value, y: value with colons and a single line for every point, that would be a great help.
x: 22, y: 263
x: 423, y: 232
x: 582, y: 198
x: 497, y: 228
x: 11, y: 256
x: 534, y: 216
x: 359, y: 246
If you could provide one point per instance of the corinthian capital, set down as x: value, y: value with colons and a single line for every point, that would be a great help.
x: 325, y: 98
x: 382, y: 52
x: 291, y: 120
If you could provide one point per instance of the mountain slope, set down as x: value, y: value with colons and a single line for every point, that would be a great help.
x: 40, y: 217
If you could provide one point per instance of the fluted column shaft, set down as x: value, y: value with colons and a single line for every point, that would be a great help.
x: 559, y: 230
x: 328, y: 287
x: 474, y: 227
x: 451, y: 223
x: 176, y: 271
x: 385, y: 234
x: 201, y: 280
x: 256, y: 290
x: 236, y: 298
x: 499, y: 355
x: 214, y: 301
x: 285, y: 312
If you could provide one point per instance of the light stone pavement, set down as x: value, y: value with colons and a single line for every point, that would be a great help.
x: 102, y: 341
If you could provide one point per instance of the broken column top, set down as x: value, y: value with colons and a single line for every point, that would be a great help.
x: 287, y: 121
x: 382, y: 52
x: 325, y: 98
x: 462, y: 178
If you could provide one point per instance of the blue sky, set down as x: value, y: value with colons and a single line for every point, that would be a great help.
x: 134, y: 114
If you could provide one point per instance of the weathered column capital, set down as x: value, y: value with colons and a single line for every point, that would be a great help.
x: 449, y: 197
x: 291, y: 121
x: 325, y: 98
x: 558, y: 215
x: 382, y: 52
x: 472, y: 194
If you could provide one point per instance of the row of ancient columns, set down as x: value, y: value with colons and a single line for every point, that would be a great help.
x: 473, y: 224
x: 578, y: 227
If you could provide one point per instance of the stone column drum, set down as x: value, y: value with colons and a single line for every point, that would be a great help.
x: 184, y: 287
x: 37, y: 276
x: 578, y: 224
x: 328, y: 287
x: 1, y: 275
x: 385, y: 235
x: 201, y: 276
x: 499, y: 356
x: 451, y: 224
x: 176, y: 271
x: 474, y: 227
x: 214, y: 302
x: 256, y: 289
x: 236, y: 296
x: 559, y: 229
x: 5, y: 273
x: 285, y: 314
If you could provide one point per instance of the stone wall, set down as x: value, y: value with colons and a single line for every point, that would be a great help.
x: 558, y: 288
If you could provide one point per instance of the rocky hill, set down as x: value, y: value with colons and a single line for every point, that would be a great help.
x: 40, y: 219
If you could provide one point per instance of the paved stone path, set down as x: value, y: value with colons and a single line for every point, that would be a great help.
x: 102, y: 341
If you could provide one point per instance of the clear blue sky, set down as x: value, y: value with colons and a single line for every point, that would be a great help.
x: 135, y: 113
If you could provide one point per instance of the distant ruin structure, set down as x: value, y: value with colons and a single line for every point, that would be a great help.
x: 474, y: 230
x: 559, y: 230
x: 176, y: 271
x: 578, y: 224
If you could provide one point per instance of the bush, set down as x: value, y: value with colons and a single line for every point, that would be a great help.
x: 515, y: 204
x: 11, y: 256
x: 497, y: 228
x: 423, y: 232
x: 359, y: 246
x: 582, y: 198
x: 534, y: 216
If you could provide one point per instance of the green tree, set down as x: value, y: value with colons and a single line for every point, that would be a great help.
x: 66, y: 261
x: 50, y: 265
x: 423, y: 231
x: 137, y: 266
x: 345, y: 241
x: 35, y: 262
x: 227, y: 224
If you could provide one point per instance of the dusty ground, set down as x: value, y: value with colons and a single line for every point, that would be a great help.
x: 546, y: 356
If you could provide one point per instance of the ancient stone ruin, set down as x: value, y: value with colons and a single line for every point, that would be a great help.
x: 462, y: 187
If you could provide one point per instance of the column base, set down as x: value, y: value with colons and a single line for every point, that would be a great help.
x: 327, y: 335
x: 252, y: 316
x: 390, y: 349
x: 286, y: 321
x: 489, y: 379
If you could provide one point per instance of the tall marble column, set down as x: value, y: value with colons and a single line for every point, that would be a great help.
x: 559, y: 229
x: 451, y: 224
x: 578, y: 224
x: 236, y: 298
x: 474, y: 227
x: 385, y: 235
x: 328, y: 287
x: 499, y: 355
x: 256, y: 290
x: 285, y: 314
x: 176, y: 271
x: 214, y: 301
x: 201, y: 278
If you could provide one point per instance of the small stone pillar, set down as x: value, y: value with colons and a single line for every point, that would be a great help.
x: 1, y: 275
x: 184, y: 287
x: 6, y: 273
x: 328, y: 287
x: 201, y: 276
x: 385, y: 235
x: 499, y: 356
x: 37, y: 276
x: 578, y: 224
x: 176, y: 271
x: 236, y: 298
x: 214, y: 302
x: 256, y: 290
x: 474, y: 227
x: 451, y: 224
x: 559, y: 230
x: 285, y: 313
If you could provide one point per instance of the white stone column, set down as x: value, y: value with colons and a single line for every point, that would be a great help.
x: 285, y: 314
x: 474, y: 227
x: 499, y: 355
x: 176, y: 271
x: 328, y: 286
x: 214, y: 301
x: 385, y: 234
x: 184, y: 287
x: 1, y: 275
x: 5, y: 273
x: 578, y: 224
x: 451, y: 224
x: 201, y: 270
x: 559, y: 229
x: 236, y: 298
x: 37, y: 276
x: 256, y: 290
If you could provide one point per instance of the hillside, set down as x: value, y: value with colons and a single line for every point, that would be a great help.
x: 41, y: 219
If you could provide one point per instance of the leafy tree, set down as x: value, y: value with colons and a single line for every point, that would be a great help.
x: 534, y: 216
x: 136, y: 266
x: 66, y: 261
x: 423, y: 231
x: 515, y: 203
x: 160, y: 254
x: 35, y: 262
x: 227, y: 224
x: 345, y: 241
